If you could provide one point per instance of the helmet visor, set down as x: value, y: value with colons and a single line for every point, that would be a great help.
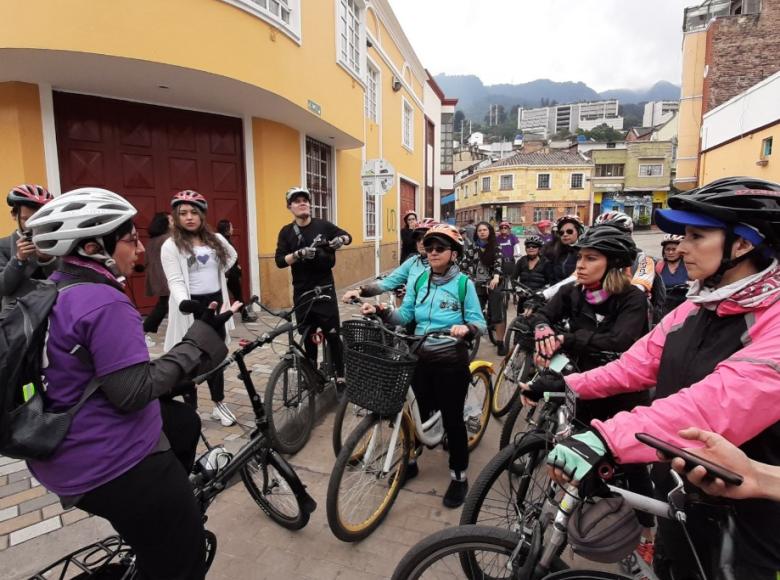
x: 673, y: 221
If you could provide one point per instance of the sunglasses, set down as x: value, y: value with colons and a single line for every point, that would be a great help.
x: 568, y: 231
x: 437, y: 249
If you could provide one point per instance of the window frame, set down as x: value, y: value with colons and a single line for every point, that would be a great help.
x: 324, y: 210
x: 582, y: 180
x: 489, y: 184
x: 343, y: 61
x: 538, y: 181
x: 612, y: 165
x: 368, y: 201
x: 371, y: 67
x: 256, y: 8
x: 766, y: 147
x: 511, y: 177
x: 641, y: 165
x: 406, y: 105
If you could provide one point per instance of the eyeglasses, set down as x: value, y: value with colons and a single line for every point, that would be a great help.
x: 134, y: 240
x: 436, y: 249
x: 568, y: 231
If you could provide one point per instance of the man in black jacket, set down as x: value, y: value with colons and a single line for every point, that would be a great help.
x: 312, y: 266
x: 20, y: 263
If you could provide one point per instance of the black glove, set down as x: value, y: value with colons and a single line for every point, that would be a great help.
x: 545, y: 381
x: 305, y: 254
x: 214, y: 320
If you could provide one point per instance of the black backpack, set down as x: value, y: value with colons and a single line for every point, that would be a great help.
x: 26, y: 430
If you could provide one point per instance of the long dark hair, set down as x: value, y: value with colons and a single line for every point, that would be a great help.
x: 223, y: 227
x: 159, y: 224
x: 488, y: 256
x: 183, y: 239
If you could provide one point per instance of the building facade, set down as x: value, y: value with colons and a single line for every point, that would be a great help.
x: 240, y: 99
x: 526, y: 188
x: 659, y: 112
x: 548, y: 121
x: 728, y: 46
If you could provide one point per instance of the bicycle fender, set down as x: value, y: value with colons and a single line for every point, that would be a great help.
x: 307, y: 502
x: 481, y: 364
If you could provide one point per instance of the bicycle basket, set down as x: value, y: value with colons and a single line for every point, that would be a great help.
x: 353, y: 331
x: 378, y: 376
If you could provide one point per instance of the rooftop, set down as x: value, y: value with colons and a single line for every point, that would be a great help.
x: 543, y: 158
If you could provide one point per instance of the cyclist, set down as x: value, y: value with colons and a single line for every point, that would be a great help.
x: 673, y: 272
x: 408, y: 244
x: 20, y: 263
x: 509, y: 246
x: 545, y: 230
x: 441, y: 379
x: 483, y: 264
x: 560, y: 252
x: 115, y: 461
x: 531, y: 269
x: 312, y: 267
x: 713, y: 362
x: 605, y: 313
x: 404, y: 274
x: 195, y: 261
x: 234, y: 274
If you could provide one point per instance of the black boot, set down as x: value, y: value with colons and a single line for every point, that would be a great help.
x: 501, y: 348
x: 456, y: 493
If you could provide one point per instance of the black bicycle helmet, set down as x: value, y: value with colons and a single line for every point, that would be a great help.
x: 614, y: 243
x: 571, y: 219
x: 604, y: 529
x: 536, y: 241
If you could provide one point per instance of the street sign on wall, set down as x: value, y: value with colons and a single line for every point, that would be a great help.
x: 377, y: 176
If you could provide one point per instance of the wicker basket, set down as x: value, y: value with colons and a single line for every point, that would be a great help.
x: 353, y: 331
x: 378, y: 376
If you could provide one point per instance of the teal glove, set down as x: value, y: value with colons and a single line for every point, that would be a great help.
x: 577, y: 455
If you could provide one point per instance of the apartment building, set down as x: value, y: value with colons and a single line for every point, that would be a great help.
x: 659, y: 112
x: 548, y: 121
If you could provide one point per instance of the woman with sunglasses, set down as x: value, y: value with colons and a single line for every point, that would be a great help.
x: 714, y: 363
x: 561, y: 252
x: 484, y: 265
x: 441, y: 378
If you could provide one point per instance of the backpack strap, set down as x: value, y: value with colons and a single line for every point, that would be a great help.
x: 298, y: 233
x: 463, y: 282
x: 421, y: 281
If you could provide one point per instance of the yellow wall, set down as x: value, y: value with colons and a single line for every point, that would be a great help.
x: 739, y: 158
x: 644, y: 153
x: 21, y: 146
x: 205, y: 35
x: 694, y: 52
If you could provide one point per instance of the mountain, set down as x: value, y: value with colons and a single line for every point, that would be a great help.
x: 475, y: 97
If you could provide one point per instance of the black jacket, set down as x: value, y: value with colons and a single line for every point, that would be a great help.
x: 408, y: 245
x: 562, y: 260
x: 614, y: 325
x: 535, y: 279
x: 19, y: 279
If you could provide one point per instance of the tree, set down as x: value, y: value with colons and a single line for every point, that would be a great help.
x: 460, y: 116
x: 602, y: 133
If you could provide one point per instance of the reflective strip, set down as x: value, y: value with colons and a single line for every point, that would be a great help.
x: 750, y: 320
x: 774, y: 365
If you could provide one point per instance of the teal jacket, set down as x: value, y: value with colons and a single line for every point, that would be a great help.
x: 406, y: 273
x: 436, y: 306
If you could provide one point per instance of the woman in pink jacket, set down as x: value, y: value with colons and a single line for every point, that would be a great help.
x: 715, y: 364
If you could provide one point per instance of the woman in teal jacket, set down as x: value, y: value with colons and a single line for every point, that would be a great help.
x: 441, y: 378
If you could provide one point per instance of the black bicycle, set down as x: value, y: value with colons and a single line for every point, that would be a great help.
x: 270, y: 480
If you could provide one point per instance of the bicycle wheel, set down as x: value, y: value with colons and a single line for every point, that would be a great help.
x: 289, y: 405
x: 462, y: 552
x: 474, y: 348
x: 476, y: 412
x: 268, y: 485
x: 513, y: 487
x: 586, y: 575
x: 348, y: 416
x: 360, y: 491
x: 516, y: 421
x: 515, y: 368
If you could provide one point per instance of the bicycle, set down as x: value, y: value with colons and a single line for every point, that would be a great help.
x: 371, y: 466
x: 270, y: 480
x: 295, y: 381
x: 530, y: 547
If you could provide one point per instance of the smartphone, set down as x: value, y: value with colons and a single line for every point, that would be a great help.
x: 27, y: 235
x: 558, y: 362
x: 691, y: 460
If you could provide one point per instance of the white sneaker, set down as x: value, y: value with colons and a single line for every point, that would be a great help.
x: 224, y: 415
x: 149, y: 342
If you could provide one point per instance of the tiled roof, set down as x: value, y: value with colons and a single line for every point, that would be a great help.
x: 543, y: 158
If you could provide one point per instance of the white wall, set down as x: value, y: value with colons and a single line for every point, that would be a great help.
x: 756, y: 107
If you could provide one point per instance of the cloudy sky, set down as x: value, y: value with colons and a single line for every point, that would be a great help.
x: 607, y: 44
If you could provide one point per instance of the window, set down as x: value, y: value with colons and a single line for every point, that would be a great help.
x: 319, y: 176
x: 544, y: 213
x: 576, y: 180
x: 283, y: 13
x: 369, y: 219
x: 766, y: 147
x: 486, y: 184
x: 542, y: 181
x: 610, y: 145
x: 447, y: 129
x: 507, y: 182
x: 349, y: 35
x: 407, y: 128
x: 651, y: 169
x: 610, y: 170
x: 372, y: 85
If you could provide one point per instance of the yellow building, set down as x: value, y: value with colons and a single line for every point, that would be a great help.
x: 525, y: 188
x: 239, y: 99
x: 689, y: 124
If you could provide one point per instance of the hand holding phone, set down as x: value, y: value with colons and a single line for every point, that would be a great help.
x: 691, y: 459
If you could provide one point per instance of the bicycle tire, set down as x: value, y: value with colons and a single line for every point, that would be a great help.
x: 211, y: 548
x: 476, y: 426
x: 586, y: 575
x: 500, y: 495
x: 346, y: 419
x: 505, y: 391
x: 463, y: 543
x: 285, y: 508
x: 514, y: 423
x: 474, y: 348
x: 352, y: 473
x: 299, y: 398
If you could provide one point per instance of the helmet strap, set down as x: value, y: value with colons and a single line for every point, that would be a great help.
x: 727, y: 262
x: 107, y: 261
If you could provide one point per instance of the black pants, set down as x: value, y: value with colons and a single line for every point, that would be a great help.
x: 496, y: 308
x: 217, y: 382
x: 160, y: 311
x: 443, y: 387
x: 234, y: 287
x: 329, y: 322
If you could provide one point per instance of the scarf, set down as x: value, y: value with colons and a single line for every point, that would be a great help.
x: 596, y: 295
x: 441, y: 279
x: 740, y: 296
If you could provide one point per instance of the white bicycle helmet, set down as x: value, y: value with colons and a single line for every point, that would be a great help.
x: 616, y: 218
x: 81, y: 214
x: 671, y: 239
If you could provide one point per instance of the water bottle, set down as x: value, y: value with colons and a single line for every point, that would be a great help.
x: 213, y: 461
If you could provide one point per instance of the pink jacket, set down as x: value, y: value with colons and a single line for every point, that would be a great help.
x: 739, y: 399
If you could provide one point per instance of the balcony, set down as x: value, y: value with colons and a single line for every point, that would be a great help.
x: 698, y: 17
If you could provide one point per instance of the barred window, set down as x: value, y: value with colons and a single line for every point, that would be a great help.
x: 319, y: 176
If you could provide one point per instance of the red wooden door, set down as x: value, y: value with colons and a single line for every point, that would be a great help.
x: 147, y: 153
x: 408, y: 198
